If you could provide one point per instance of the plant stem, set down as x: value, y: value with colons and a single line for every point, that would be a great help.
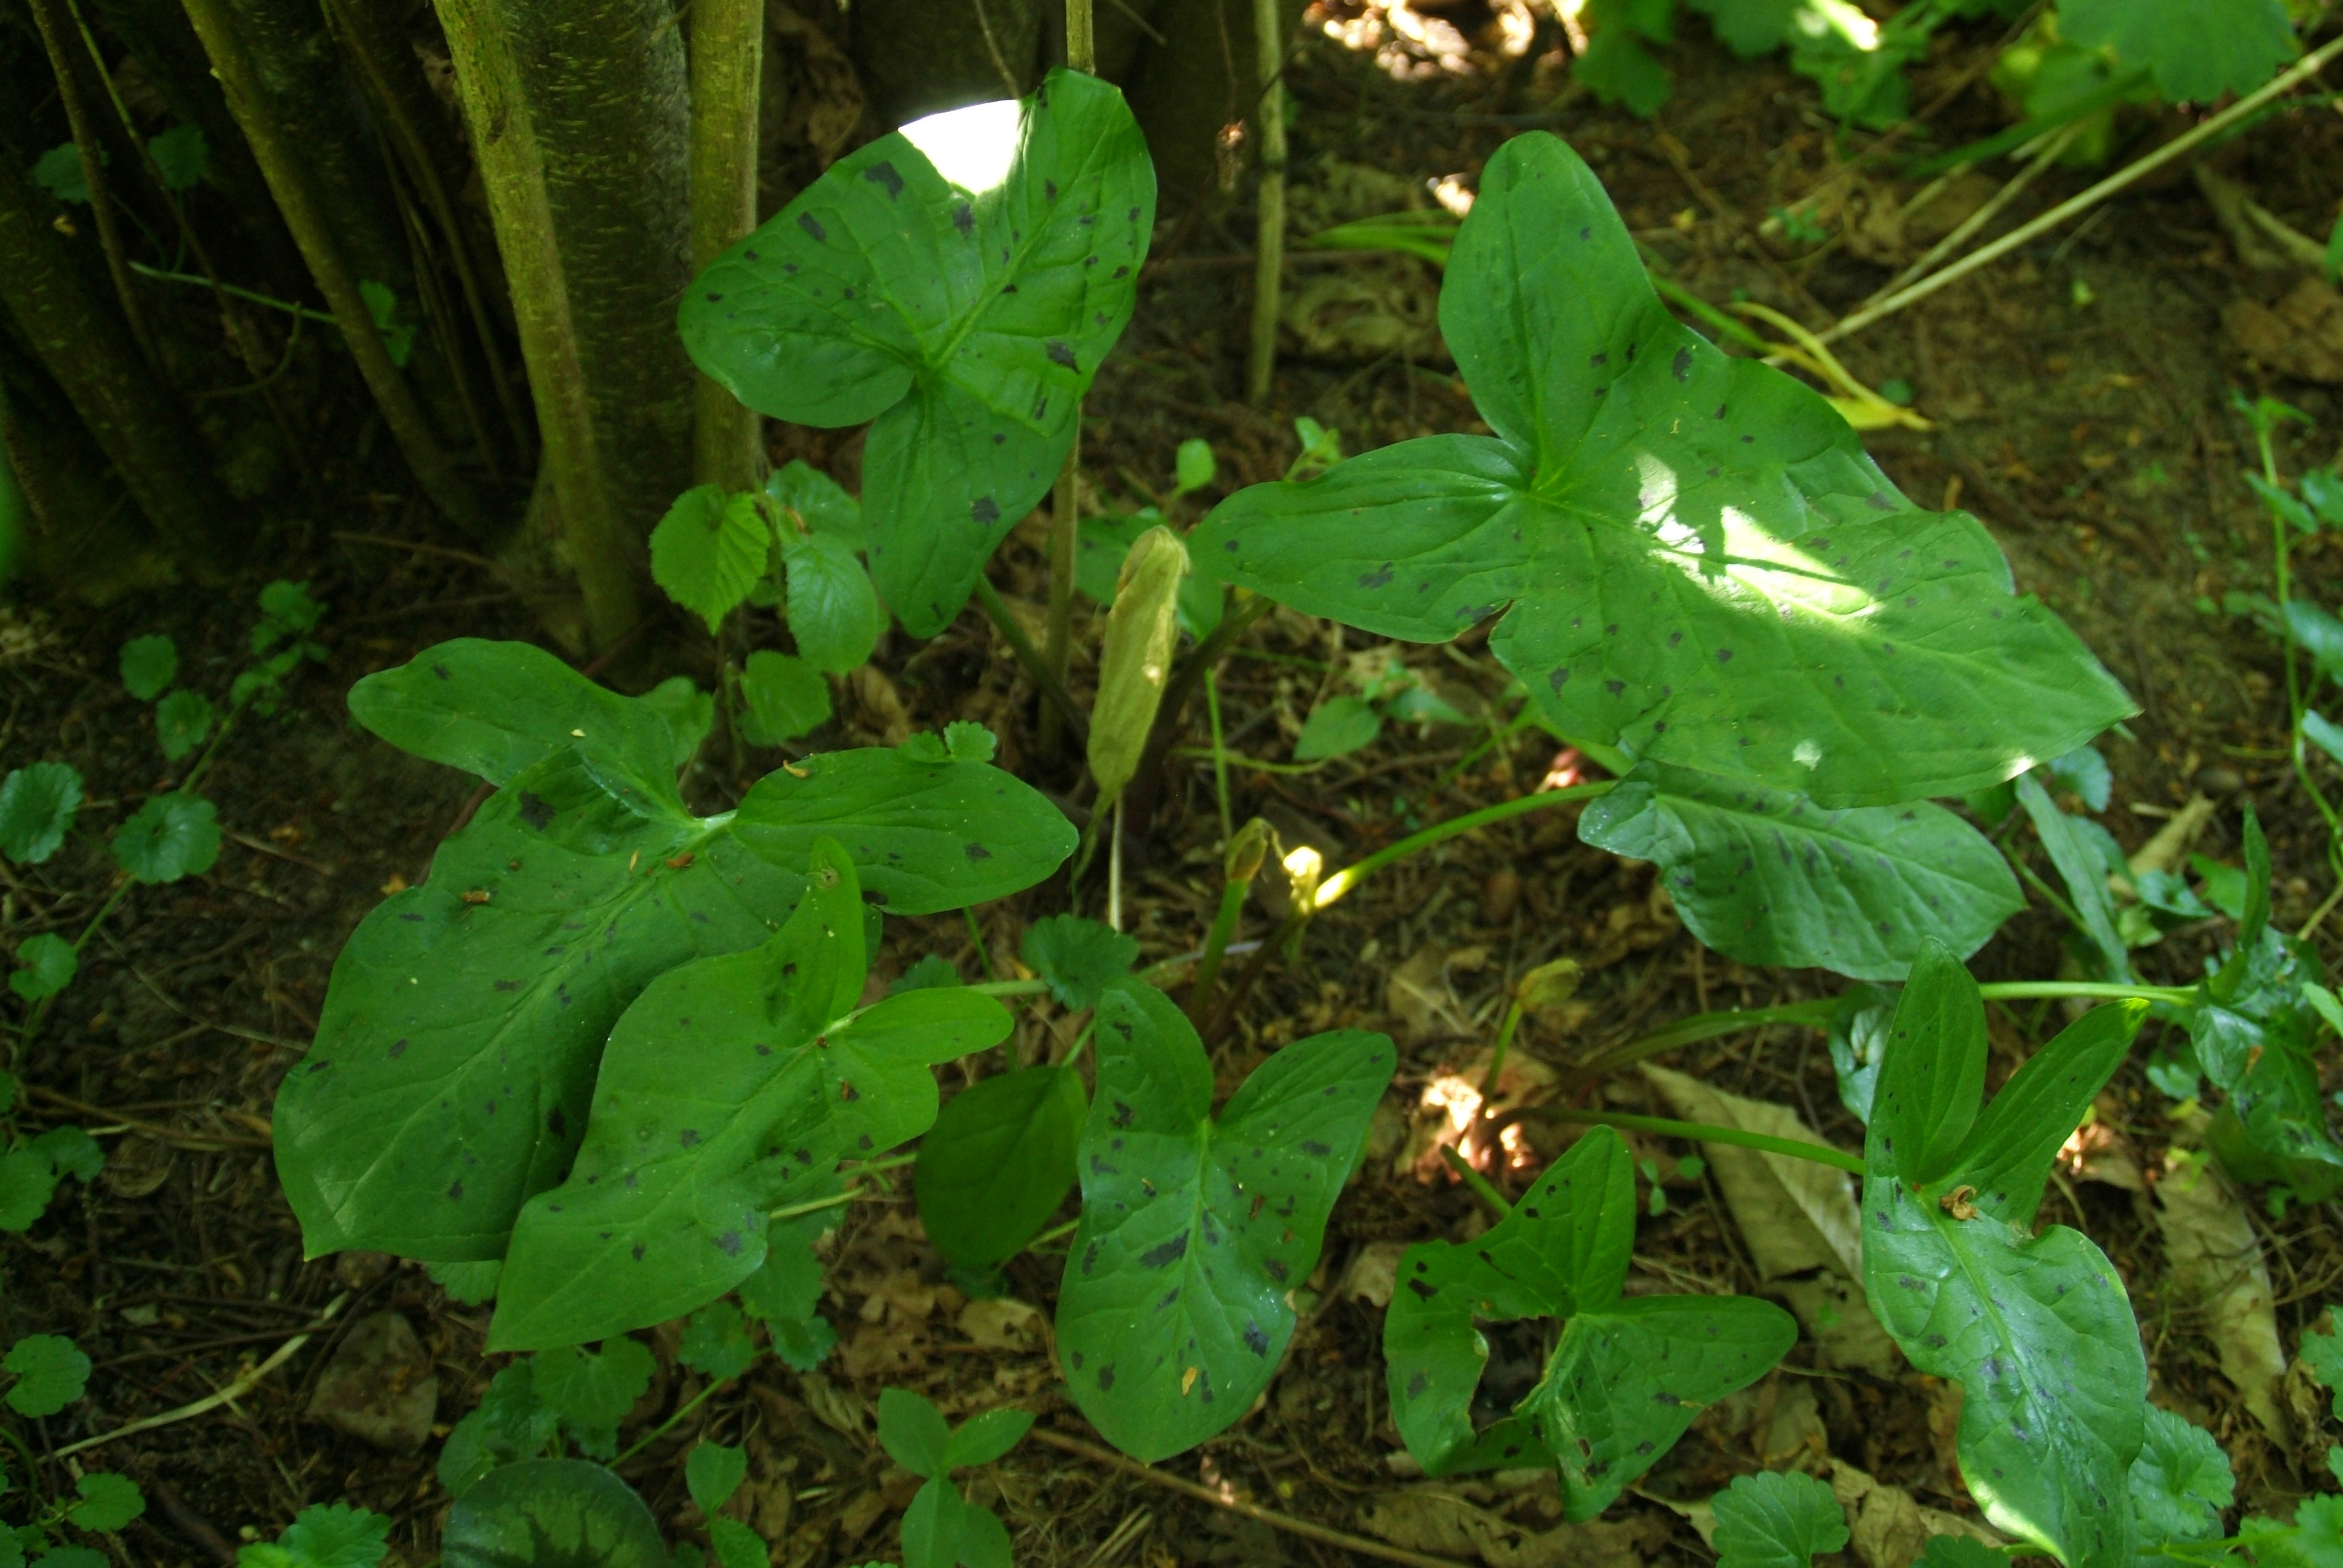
x: 93, y: 172
x: 1012, y: 988
x: 1703, y: 1132
x: 1336, y: 886
x: 728, y: 52
x: 1036, y: 665
x: 1220, y: 753
x: 1216, y: 944
x: 287, y: 171
x: 160, y: 276
x: 1269, y: 246
x: 2131, y: 173
x: 1497, y: 1057
x: 1482, y: 1188
x: 1115, y: 867
x: 2294, y: 702
x: 661, y: 1430
x: 1699, y: 1027
x: 976, y: 935
x: 2010, y: 991
x: 1065, y: 542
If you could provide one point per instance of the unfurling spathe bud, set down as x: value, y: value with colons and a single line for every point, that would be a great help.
x: 1141, y: 630
x: 1548, y: 985
x: 1247, y: 850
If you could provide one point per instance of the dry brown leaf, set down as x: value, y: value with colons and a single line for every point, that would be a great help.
x: 1373, y: 1274
x: 1799, y: 1219
x: 1888, y: 1526
x: 1001, y: 1325
x: 1430, y: 1519
x: 2217, y: 1267
x: 2300, y: 335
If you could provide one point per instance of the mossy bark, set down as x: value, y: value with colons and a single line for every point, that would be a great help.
x: 727, y: 49
x: 80, y: 532
x: 72, y: 327
x: 579, y: 120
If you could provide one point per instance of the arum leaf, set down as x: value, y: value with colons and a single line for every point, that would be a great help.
x: 1175, y: 1306
x: 1768, y: 876
x: 1079, y: 957
x: 999, y: 1162
x: 785, y: 698
x: 551, y: 1513
x: 963, y: 309
x: 913, y: 1432
x: 1776, y: 1521
x: 834, y: 611
x: 37, y: 804
x: 710, y: 550
x: 1627, y: 1378
x: 149, y: 665
x: 712, y: 1474
x: 1703, y: 565
x: 2036, y: 1328
x: 50, y: 1372
x: 493, y: 986
x: 171, y: 837
x: 690, y: 712
x: 665, y: 1207
x: 1336, y: 727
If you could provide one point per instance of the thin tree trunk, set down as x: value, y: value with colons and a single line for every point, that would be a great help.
x: 80, y: 530
x: 614, y: 444
x: 1269, y: 247
x: 728, y: 45
x: 78, y: 335
x: 284, y: 163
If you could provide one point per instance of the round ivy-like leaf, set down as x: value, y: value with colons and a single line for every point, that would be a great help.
x: 785, y: 698
x: 171, y: 837
x: 551, y: 1513
x: 50, y: 1372
x: 999, y: 1162
x: 27, y: 1179
x: 1776, y: 1521
x: 49, y: 964
x: 182, y: 719
x: 594, y: 1389
x: 149, y: 665
x: 108, y: 1502
x: 181, y: 155
x: 36, y: 806
x: 1078, y: 956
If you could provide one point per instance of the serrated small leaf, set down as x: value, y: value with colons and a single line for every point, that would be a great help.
x: 914, y: 1432
x: 785, y: 1291
x: 27, y: 1181
x: 1682, y: 544
x: 964, y: 311
x: 981, y: 1439
x: 37, y: 804
x: 171, y: 837
x: 968, y: 741
x: 1175, y: 1308
x: 58, y: 171
x: 999, y: 1162
x: 1767, y: 877
x: 716, y: 1342
x: 736, y: 1546
x: 783, y: 697
x: 108, y: 1501
x: 834, y: 611
x: 594, y: 1389
x: 50, y: 1372
x: 709, y: 550
x: 1078, y: 956
x: 712, y: 1472
x: 551, y: 1513
x: 2197, y: 50
x: 1776, y: 1520
x: 510, y: 1424
x: 819, y: 501
x: 181, y: 157
x: 2181, y: 1482
x: 665, y: 1205
x: 72, y: 1151
x: 149, y: 665
x: 1336, y: 727
x: 325, y: 1535
x: 47, y: 964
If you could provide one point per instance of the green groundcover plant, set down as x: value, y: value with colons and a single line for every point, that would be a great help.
x: 616, y: 1063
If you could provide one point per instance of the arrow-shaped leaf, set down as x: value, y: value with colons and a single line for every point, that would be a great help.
x: 964, y: 307
x: 1703, y: 567
x: 1768, y: 876
x: 1176, y: 1302
x: 2037, y: 1329
x: 665, y: 1208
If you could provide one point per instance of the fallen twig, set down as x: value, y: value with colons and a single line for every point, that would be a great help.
x: 1269, y: 1516
x: 229, y: 1395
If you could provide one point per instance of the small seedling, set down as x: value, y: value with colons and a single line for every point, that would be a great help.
x: 941, y: 1528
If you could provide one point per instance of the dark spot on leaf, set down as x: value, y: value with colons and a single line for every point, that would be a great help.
x: 1311, y: 1146
x: 728, y: 1244
x: 806, y: 222
x: 1163, y: 1256
x: 398, y: 1048
x: 1683, y: 366
x: 964, y: 219
x: 1106, y: 1377
x: 984, y: 510
x: 1420, y: 1289
x: 456, y: 1193
x: 883, y: 173
x: 1377, y: 579
x: 1557, y: 679
x: 557, y: 1123
x: 1059, y: 352
x: 535, y: 810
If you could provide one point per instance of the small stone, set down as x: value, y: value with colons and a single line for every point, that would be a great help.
x: 2217, y: 780
x: 355, y: 1270
x: 379, y: 1387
